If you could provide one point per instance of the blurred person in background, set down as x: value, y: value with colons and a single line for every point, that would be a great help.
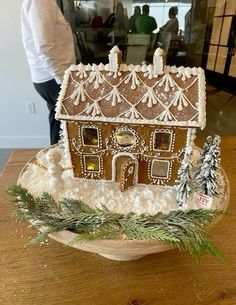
x: 145, y: 24
x: 132, y: 19
x: 172, y: 25
x: 121, y: 19
x: 49, y: 48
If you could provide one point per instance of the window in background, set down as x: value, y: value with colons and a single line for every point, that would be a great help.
x: 220, y: 46
x: 160, y: 11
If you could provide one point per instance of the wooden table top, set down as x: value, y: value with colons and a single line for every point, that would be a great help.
x: 56, y: 274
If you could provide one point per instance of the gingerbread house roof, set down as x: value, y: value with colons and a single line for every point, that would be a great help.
x: 137, y: 94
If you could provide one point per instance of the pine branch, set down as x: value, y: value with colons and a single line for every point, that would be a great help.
x: 185, y: 230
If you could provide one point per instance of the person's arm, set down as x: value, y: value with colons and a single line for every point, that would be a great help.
x: 170, y: 26
x: 42, y: 18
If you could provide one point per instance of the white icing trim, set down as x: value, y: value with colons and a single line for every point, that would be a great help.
x: 135, y: 174
x: 133, y: 120
x: 62, y: 93
x: 125, y: 129
x: 170, y: 143
x: 185, y: 72
x: 190, y: 137
x: 84, y: 163
x: 167, y: 173
x: 66, y: 145
x: 202, y: 98
x: 91, y: 127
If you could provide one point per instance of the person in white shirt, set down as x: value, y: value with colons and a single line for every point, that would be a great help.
x: 49, y: 48
x: 172, y: 25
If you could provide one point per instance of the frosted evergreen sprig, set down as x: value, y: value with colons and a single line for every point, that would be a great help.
x: 184, y: 187
x: 185, y: 230
x: 207, y: 173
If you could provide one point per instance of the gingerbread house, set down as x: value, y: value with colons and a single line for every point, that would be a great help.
x: 130, y: 123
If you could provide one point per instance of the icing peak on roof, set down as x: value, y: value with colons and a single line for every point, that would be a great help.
x: 159, y: 52
x: 143, y: 94
x: 115, y: 49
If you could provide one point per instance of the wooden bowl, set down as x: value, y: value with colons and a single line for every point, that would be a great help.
x: 120, y: 250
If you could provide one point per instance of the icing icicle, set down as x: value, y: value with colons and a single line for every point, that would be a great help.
x: 150, y: 98
x: 81, y: 71
x: 166, y: 116
x: 167, y: 81
x: 94, y: 109
x: 180, y: 100
x: 132, y: 113
x: 96, y: 77
x: 184, y: 73
x: 79, y: 94
x: 114, y: 97
x: 133, y: 78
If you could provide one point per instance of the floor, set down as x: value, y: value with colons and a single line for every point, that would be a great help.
x: 221, y: 113
x: 4, y: 155
x: 221, y: 118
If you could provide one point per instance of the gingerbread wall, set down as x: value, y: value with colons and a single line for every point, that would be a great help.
x: 108, y: 150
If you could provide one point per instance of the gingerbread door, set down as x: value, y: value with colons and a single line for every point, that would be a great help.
x: 129, y: 174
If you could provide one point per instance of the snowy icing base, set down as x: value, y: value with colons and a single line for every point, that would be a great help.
x: 139, y: 199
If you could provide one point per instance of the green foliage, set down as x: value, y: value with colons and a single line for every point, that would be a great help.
x: 184, y: 230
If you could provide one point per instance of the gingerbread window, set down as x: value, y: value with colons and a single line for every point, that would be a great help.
x: 160, y: 169
x: 90, y: 136
x: 125, y: 138
x: 92, y: 163
x: 162, y: 140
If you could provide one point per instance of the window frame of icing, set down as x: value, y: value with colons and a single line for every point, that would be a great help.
x: 125, y: 129
x: 171, y: 143
x: 167, y: 172
x: 91, y: 171
x: 82, y: 135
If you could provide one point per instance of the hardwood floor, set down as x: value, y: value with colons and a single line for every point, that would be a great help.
x: 4, y: 155
x: 221, y: 118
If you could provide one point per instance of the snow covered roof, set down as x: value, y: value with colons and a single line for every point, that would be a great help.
x: 137, y: 94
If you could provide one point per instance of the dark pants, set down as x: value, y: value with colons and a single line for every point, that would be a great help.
x: 49, y: 92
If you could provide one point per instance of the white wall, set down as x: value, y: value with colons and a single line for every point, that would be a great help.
x: 17, y: 128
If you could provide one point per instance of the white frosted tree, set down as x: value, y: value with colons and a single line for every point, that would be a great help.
x: 205, y: 149
x: 184, y: 185
x: 207, y: 174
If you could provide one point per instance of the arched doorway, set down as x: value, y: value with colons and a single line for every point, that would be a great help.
x: 125, y: 170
